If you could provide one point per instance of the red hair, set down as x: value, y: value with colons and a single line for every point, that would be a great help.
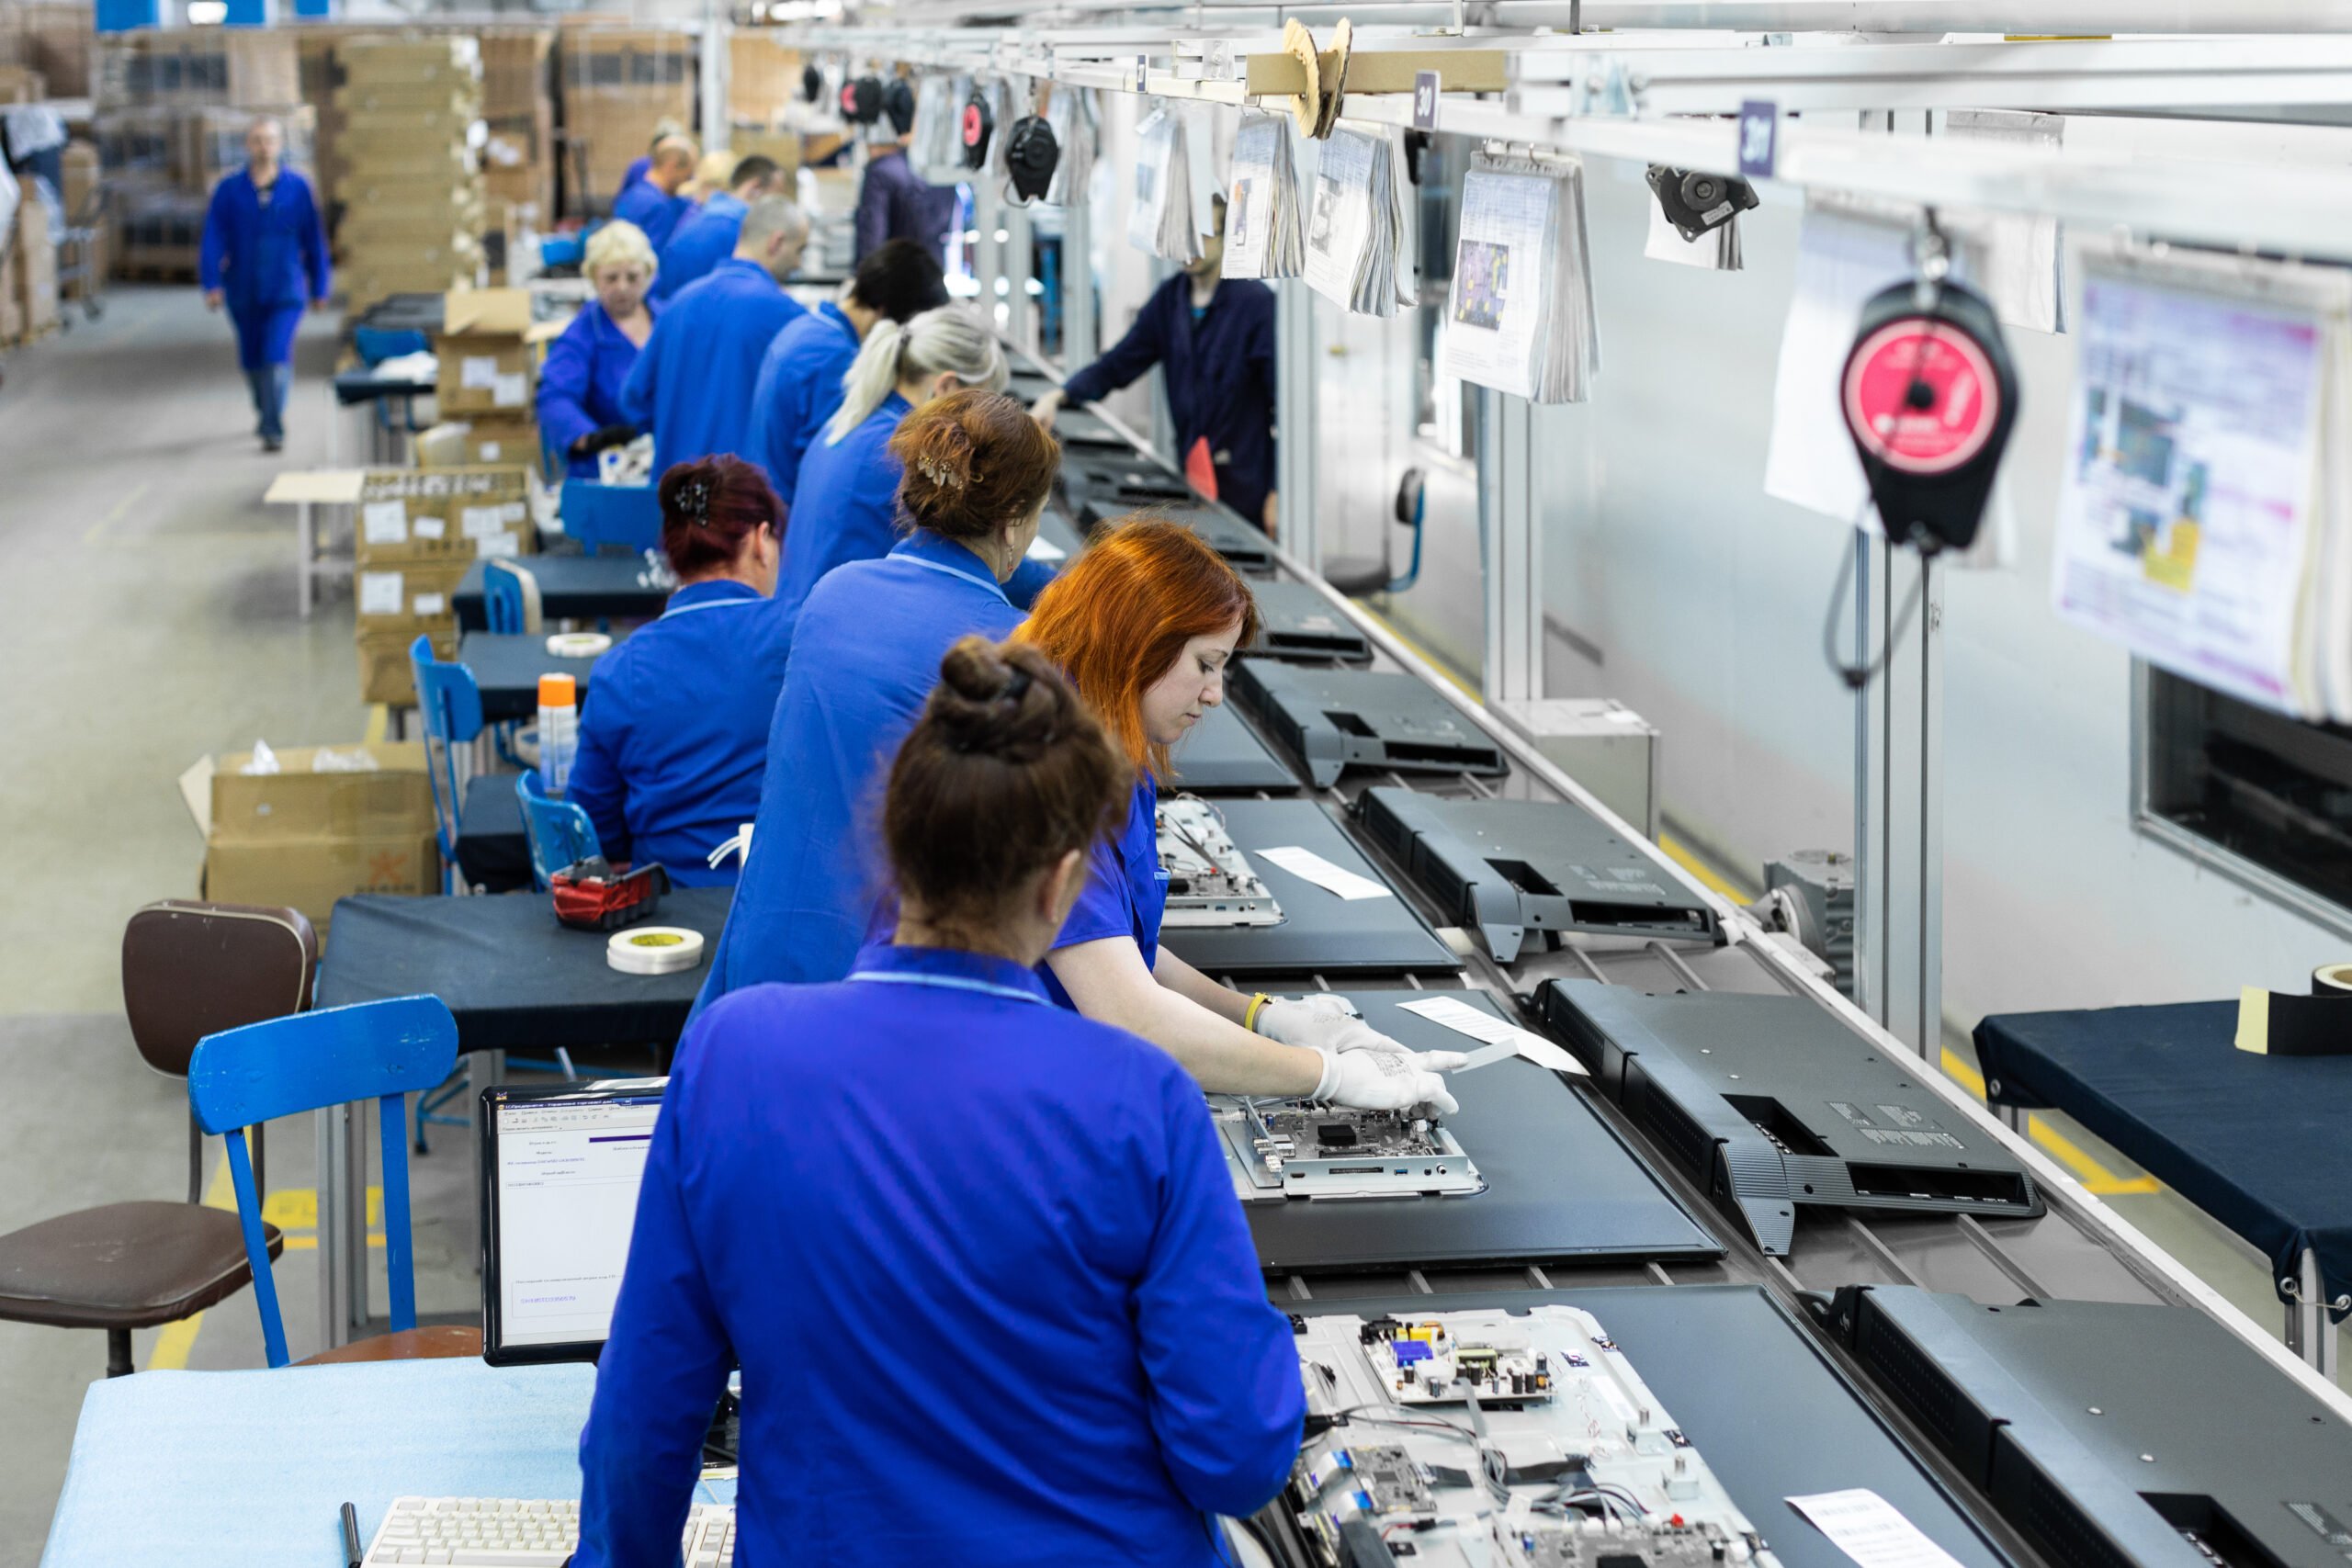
x: 708, y: 508
x: 1119, y: 616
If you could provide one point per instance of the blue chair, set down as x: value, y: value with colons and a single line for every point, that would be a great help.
x: 380, y: 1050
x: 598, y: 514
x: 560, y: 832
x: 375, y: 344
x: 450, y: 704
x: 510, y: 598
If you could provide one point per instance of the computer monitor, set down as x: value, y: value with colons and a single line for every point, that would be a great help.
x: 560, y: 1170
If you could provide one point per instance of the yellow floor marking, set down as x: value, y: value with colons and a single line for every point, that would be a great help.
x: 2095, y: 1177
x: 1714, y: 881
x: 90, y: 534
x: 379, y: 719
x: 1444, y: 669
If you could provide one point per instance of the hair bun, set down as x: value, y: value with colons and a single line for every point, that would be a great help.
x: 991, y: 700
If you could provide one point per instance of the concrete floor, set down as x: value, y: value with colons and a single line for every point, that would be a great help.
x: 147, y: 607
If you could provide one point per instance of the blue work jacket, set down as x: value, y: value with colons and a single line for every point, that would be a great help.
x: 703, y: 239
x: 652, y: 209
x: 1219, y: 372
x: 635, y: 173
x: 799, y: 388
x: 674, y: 739
x: 981, y: 1262
x: 262, y: 257
x: 694, y: 380
x: 846, y: 502
x: 1126, y: 890
x: 864, y: 655
x: 580, y: 383
x: 896, y: 203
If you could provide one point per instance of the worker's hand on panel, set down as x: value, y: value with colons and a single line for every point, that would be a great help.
x: 1382, y: 1080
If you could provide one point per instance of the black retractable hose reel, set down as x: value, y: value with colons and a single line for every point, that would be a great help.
x: 1031, y: 156
x: 1930, y: 395
x: 1695, y: 201
x: 978, y: 125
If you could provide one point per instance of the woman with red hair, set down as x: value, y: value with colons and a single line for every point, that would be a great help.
x: 1144, y: 624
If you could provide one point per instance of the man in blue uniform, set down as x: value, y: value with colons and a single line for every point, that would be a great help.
x: 893, y: 201
x: 694, y: 380
x: 801, y: 379
x: 706, y: 236
x: 265, y: 251
x: 653, y: 203
x: 1213, y: 340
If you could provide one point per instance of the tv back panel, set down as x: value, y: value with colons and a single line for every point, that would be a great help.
x: 1331, y: 720
x: 1295, y: 622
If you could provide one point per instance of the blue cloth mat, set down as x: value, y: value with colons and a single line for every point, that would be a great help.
x: 250, y: 1469
x: 2256, y: 1142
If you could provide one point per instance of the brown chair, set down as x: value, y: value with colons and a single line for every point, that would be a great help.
x: 189, y: 970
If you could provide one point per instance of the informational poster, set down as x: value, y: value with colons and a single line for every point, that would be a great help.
x: 1339, y: 217
x: 2186, y: 522
x: 1496, y: 315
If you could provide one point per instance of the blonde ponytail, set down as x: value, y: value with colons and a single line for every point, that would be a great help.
x: 949, y: 338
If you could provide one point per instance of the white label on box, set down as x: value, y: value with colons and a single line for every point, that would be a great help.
x: 508, y: 391
x: 499, y: 545
x: 481, y: 521
x: 431, y: 605
x: 477, y: 373
x: 432, y: 528
x: 379, y: 593
x: 489, y: 451
x: 515, y: 512
x: 1331, y: 878
x: 384, y: 522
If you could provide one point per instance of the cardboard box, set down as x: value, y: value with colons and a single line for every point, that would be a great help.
x: 36, y: 268
x: 408, y: 598
x: 309, y: 875
x: 486, y: 365
x: 385, y: 673
x: 443, y: 515
x: 22, y: 84
x: 305, y: 800
x: 80, y: 164
x: 483, y: 439
x: 56, y: 42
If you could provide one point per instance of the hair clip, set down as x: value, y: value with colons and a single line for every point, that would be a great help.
x: 693, y: 499
x: 939, y: 473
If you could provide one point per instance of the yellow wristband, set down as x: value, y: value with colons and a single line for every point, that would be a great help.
x: 1257, y: 1005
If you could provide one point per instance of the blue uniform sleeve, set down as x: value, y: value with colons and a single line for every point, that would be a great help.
x: 315, y: 246
x: 598, y: 787
x: 564, y: 381
x: 660, y: 1375
x: 636, y: 393
x: 1029, y: 580
x: 1101, y: 910
x: 1129, y: 357
x: 1219, y: 1362
x: 775, y: 414
x: 215, y: 245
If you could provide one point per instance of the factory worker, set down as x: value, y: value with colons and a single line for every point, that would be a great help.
x: 579, y: 385
x: 706, y: 236
x: 674, y: 735
x: 264, y: 253
x: 694, y: 381
x: 865, y: 652
x: 1145, y: 623
x: 1213, y: 339
x: 656, y: 202
x: 845, y: 500
x: 893, y: 201
x: 965, y: 1336
x: 663, y: 129
x: 801, y: 379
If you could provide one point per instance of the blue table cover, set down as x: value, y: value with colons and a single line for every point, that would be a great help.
x: 2259, y: 1142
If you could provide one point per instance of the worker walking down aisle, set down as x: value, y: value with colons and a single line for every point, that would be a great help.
x: 1213, y: 340
x: 693, y: 383
x: 264, y: 251
x: 1100, y: 1371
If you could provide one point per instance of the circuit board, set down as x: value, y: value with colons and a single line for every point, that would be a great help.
x: 1291, y: 1149
x: 1210, y: 882
x: 1517, y: 1440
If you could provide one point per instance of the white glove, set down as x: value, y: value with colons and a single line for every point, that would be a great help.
x: 1305, y: 1021
x: 1382, y: 1080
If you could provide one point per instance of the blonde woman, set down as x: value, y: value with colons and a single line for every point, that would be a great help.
x: 580, y: 386
x: 844, y: 501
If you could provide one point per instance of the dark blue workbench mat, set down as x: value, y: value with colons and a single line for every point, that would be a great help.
x: 2259, y: 1142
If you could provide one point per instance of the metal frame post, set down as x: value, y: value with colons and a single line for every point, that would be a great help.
x: 715, y: 123
x: 1017, y: 255
x: 2308, y: 1333
x: 1077, y: 287
x: 1511, y: 548
x: 1898, y: 796
x: 1295, y: 370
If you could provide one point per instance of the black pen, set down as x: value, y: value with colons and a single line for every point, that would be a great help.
x: 351, y: 1552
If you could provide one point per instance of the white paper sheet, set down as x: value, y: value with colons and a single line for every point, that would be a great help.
x: 1866, y: 1527
x: 432, y: 528
x: 1046, y: 550
x: 1503, y: 1037
x: 379, y: 593
x: 477, y: 373
x: 2186, y: 522
x: 1332, y: 878
x: 1339, y: 216
x: 384, y: 522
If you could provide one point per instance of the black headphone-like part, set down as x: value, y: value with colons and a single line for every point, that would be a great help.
x: 812, y: 83
x: 898, y: 104
x: 862, y: 100
x: 978, y: 125
x: 1031, y: 156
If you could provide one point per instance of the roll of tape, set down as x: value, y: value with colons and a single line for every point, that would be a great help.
x: 577, y: 645
x: 654, y: 949
x: 2332, y: 981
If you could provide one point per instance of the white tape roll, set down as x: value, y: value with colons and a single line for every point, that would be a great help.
x: 577, y: 645
x: 654, y: 949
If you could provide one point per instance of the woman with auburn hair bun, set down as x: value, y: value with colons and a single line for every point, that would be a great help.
x: 883, y: 1169
x: 673, y: 735
x: 1145, y: 623
x: 864, y: 654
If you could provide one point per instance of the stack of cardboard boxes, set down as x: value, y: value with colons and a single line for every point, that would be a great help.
x: 490, y: 372
x: 518, y: 158
x: 408, y: 185
x: 619, y: 83
x: 419, y: 530
x: 762, y: 80
x: 324, y: 823
x: 53, y: 38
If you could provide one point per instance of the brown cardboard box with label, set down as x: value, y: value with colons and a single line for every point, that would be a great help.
x: 443, y: 515
x: 485, y: 362
x: 306, y: 836
x: 309, y: 875
x: 484, y: 439
x: 411, y: 598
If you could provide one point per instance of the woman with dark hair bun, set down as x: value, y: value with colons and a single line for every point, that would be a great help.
x: 864, y: 654
x: 1099, y: 1369
x: 674, y: 733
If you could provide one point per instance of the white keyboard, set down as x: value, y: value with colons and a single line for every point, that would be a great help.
x: 505, y: 1532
